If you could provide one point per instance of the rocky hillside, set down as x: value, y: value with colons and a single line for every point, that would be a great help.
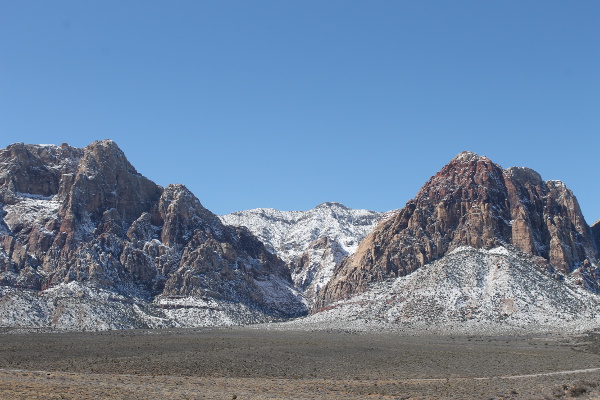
x: 311, y: 242
x: 467, y: 291
x: 85, y: 222
x: 474, y: 202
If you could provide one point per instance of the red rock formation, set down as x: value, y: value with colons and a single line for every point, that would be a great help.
x: 87, y: 215
x: 471, y: 202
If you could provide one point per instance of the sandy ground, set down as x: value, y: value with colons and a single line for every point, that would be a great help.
x: 247, y: 363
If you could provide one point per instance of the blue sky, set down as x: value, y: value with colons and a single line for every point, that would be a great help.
x: 287, y: 104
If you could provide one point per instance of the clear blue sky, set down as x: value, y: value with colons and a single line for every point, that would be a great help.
x: 287, y: 104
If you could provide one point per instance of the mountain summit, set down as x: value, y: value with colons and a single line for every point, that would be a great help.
x: 473, y: 202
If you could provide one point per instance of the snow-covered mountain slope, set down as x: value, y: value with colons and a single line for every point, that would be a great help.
x: 83, y: 307
x: 288, y: 233
x: 468, y: 290
x: 312, y: 242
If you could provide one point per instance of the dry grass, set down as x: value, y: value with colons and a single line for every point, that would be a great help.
x: 263, y: 364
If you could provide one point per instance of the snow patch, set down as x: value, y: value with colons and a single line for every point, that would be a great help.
x: 29, y: 210
x: 501, y: 250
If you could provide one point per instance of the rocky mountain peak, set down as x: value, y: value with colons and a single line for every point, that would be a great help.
x: 87, y: 218
x: 472, y: 202
x: 467, y: 157
x: 104, y: 152
x: 331, y: 205
x: 104, y: 181
x: 467, y: 175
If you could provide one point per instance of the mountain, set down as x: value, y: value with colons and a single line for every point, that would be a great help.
x: 475, y: 203
x: 88, y: 242
x: 311, y: 242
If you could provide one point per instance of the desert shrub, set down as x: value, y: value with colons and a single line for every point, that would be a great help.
x: 577, y: 390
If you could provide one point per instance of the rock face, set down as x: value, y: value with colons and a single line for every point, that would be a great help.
x: 35, y: 170
x: 473, y: 202
x: 311, y: 242
x: 87, y: 216
x: 596, y: 233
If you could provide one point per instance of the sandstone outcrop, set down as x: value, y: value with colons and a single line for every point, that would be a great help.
x: 86, y: 215
x: 473, y: 202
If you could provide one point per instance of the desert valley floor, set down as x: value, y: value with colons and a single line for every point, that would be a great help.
x: 262, y: 363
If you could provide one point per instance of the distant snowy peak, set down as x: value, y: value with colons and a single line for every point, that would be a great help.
x: 287, y: 233
x: 312, y: 242
x: 268, y: 224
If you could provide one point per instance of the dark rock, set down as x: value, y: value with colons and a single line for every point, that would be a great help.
x: 35, y: 169
x: 596, y: 234
x: 105, y: 180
